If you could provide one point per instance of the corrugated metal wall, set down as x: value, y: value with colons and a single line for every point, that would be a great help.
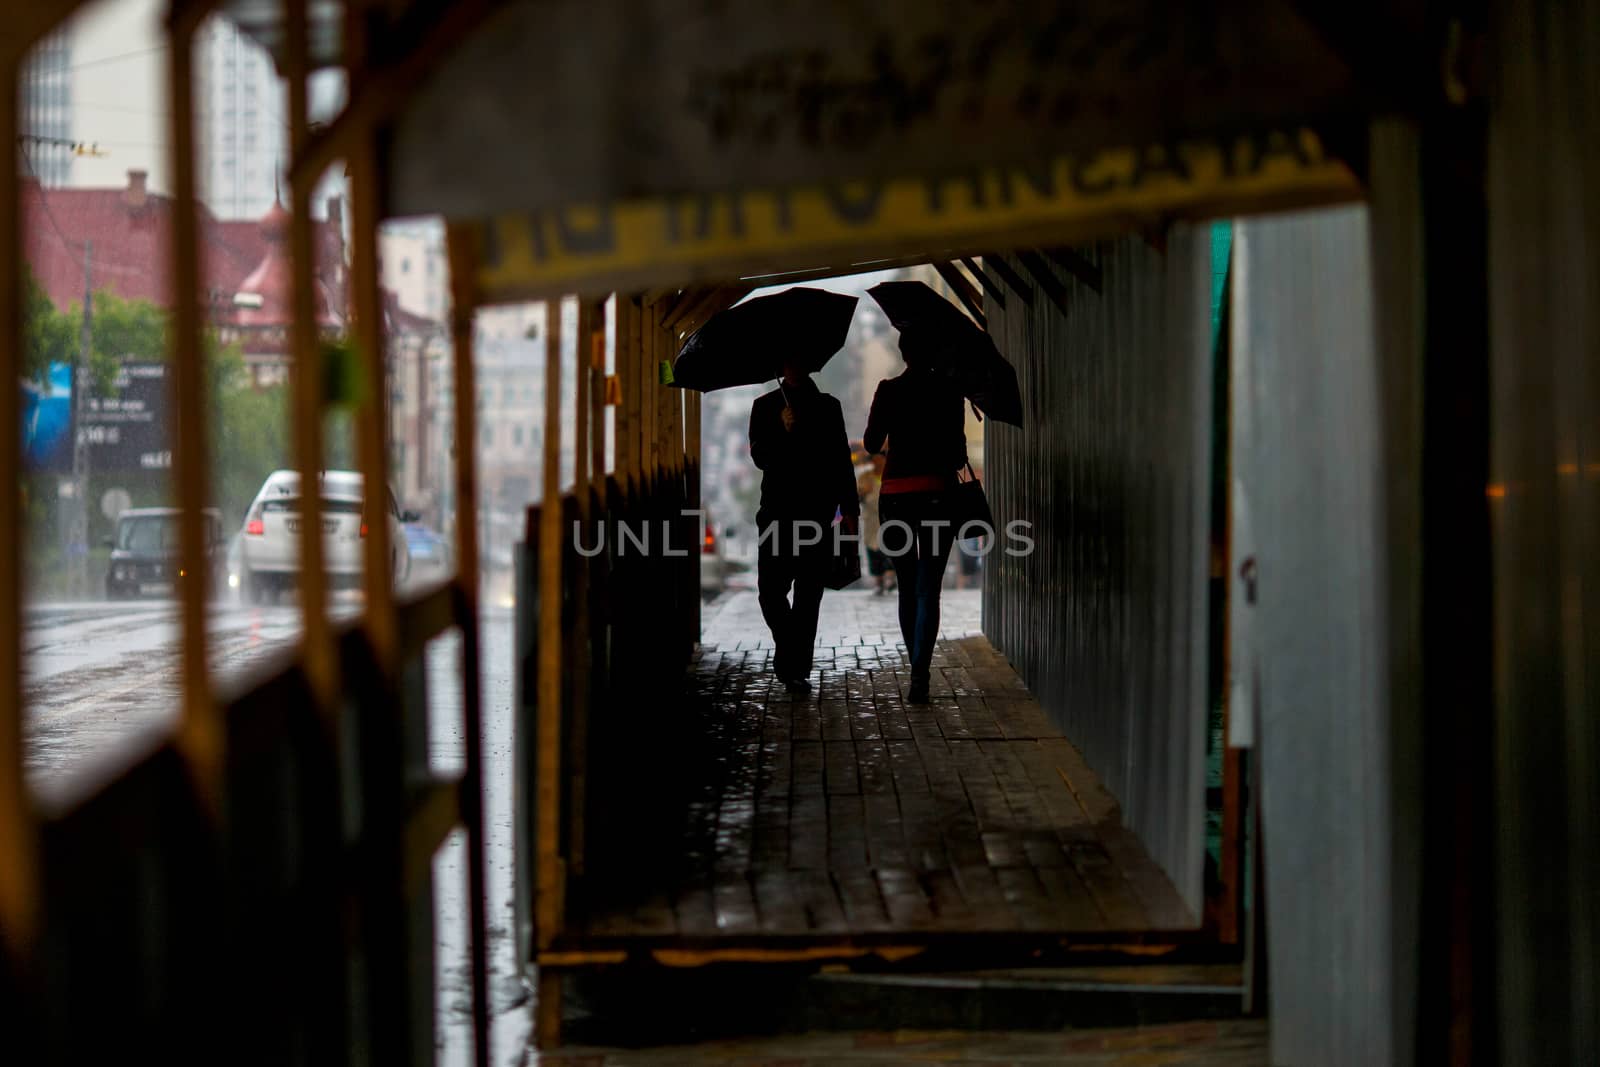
x: 1544, y: 272
x: 1106, y: 619
x: 1318, y: 462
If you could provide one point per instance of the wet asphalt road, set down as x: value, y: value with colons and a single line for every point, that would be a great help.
x: 99, y: 677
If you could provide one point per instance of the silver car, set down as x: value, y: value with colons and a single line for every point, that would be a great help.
x: 269, y: 546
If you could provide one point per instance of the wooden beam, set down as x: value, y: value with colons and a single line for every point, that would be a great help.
x: 549, y: 875
x: 306, y: 383
x: 201, y: 733
x: 997, y: 294
x: 19, y: 856
x: 965, y: 291
x: 1076, y: 264
x: 377, y: 94
x: 1040, y: 270
x: 1012, y: 279
x: 723, y: 299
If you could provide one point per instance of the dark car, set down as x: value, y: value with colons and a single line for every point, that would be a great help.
x: 144, y: 553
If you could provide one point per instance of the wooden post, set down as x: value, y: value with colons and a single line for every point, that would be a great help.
x: 372, y: 424
x: 549, y: 874
x: 201, y: 733
x: 463, y: 278
x: 19, y: 888
x: 597, y: 401
x: 548, y: 817
x: 321, y: 663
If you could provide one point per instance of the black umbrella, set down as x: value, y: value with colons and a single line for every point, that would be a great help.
x: 954, y: 345
x: 750, y: 343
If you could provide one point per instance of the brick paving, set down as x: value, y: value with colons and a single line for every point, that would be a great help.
x: 850, y: 812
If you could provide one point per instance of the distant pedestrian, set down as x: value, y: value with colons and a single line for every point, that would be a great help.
x: 798, y: 440
x: 869, y: 483
x: 918, y: 421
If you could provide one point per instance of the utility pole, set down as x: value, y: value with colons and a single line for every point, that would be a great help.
x: 78, y: 543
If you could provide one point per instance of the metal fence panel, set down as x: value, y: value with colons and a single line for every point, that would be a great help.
x: 1106, y: 619
x: 1308, y: 452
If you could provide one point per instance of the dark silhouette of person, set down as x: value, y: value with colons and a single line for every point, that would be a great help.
x: 798, y: 440
x: 918, y: 421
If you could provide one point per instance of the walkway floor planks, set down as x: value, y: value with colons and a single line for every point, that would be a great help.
x: 851, y: 813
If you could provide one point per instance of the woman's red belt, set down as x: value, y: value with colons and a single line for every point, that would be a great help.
x: 916, y: 483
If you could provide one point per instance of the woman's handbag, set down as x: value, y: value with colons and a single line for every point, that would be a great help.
x: 969, y: 505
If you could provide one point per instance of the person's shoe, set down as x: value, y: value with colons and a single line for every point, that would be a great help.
x: 797, y: 686
x: 918, y: 693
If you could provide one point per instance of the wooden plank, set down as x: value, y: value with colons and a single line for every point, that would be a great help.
x: 1118, y: 904
x: 1071, y: 903
x: 847, y: 834
x: 905, y: 900
x: 909, y: 763
x: 842, y: 774
x: 990, y: 287
x: 983, y: 791
x: 808, y: 832
x: 886, y: 841
x: 924, y: 836
x: 808, y: 766
x: 863, y: 903
x: 781, y: 908
x: 1076, y: 264
x: 873, y: 761
x: 1162, y: 904
x: 1027, y: 898
x: 695, y: 909
x: 201, y: 734
x: 1097, y: 802
x: 19, y: 854
x: 819, y: 898
x: 1012, y: 279
x: 1040, y: 272
x: 736, y: 906
x: 950, y: 907
x: 964, y: 291
x: 981, y: 889
x: 836, y: 718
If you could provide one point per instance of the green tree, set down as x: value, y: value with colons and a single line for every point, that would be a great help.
x: 249, y: 431
x: 48, y: 335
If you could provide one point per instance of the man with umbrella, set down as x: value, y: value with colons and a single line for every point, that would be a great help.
x: 797, y: 439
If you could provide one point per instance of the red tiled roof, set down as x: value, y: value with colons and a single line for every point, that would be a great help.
x: 132, y: 245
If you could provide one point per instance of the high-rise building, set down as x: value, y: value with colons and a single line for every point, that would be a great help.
x: 243, y: 130
x: 47, y: 111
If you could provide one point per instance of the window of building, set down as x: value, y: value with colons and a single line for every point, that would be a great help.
x: 516, y: 436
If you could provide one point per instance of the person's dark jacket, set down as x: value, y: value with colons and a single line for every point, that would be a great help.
x: 806, y: 471
x: 922, y: 417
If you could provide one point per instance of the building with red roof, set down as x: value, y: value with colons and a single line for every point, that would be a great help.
x: 245, y: 263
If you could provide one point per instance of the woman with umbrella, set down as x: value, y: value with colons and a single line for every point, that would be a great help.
x: 918, y: 421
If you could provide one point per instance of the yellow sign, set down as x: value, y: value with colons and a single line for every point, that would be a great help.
x: 673, y: 241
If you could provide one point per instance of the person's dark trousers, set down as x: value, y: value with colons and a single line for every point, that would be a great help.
x: 919, y: 551
x: 780, y: 565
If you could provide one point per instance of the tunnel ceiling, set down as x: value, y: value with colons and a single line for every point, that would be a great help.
x: 552, y: 101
